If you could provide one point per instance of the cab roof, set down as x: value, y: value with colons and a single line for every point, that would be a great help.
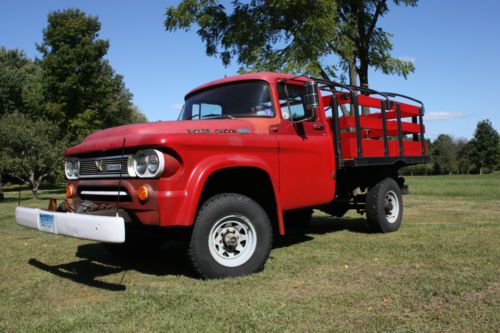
x: 263, y: 76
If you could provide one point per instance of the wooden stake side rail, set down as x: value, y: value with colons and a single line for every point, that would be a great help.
x: 377, y: 138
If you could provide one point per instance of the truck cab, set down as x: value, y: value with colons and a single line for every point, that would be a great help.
x: 246, y: 156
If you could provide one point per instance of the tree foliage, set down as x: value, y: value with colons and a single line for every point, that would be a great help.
x: 294, y: 36
x: 55, y: 101
x: 20, y: 84
x: 82, y: 91
x: 451, y: 155
x: 365, y: 45
x: 29, y: 149
x: 444, y: 154
x: 485, y: 146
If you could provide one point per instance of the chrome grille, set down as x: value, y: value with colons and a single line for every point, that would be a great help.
x: 110, y: 166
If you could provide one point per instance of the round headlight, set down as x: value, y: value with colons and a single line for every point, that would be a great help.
x: 69, y: 169
x: 76, y: 168
x: 141, y: 165
x: 147, y: 163
x: 153, y: 163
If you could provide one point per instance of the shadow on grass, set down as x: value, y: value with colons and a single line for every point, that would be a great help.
x: 84, y: 272
x: 96, y: 262
x: 321, y: 225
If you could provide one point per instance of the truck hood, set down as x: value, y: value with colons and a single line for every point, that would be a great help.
x: 155, y: 134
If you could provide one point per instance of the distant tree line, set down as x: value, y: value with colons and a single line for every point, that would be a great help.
x: 450, y: 155
x: 52, y: 102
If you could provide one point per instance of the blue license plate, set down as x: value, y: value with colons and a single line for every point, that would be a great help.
x: 47, y: 223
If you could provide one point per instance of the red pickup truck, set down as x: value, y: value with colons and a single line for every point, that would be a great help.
x: 247, y: 154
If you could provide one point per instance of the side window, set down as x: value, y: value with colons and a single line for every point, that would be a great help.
x: 210, y: 110
x: 204, y: 110
x: 292, y: 102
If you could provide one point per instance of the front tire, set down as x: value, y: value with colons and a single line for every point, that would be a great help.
x: 384, y: 206
x: 232, y: 236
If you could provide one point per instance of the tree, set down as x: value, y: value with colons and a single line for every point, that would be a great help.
x: 365, y: 44
x: 20, y: 84
x: 462, y: 147
x: 444, y: 154
x: 484, y: 150
x: 20, y: 89
x: 29, y: 149
x: 82, y: 91
x: 294, y: 36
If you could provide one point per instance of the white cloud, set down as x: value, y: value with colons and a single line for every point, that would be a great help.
x: 443, y: 115
x: 177, y: 107
x: 408, y: 58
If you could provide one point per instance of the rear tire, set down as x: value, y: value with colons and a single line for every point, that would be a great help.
x: 384, y: 206
x: 232, y: 236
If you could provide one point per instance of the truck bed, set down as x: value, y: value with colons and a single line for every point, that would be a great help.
x: 391, y: 133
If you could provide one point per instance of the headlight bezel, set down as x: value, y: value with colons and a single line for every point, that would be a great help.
x: 72, y: 172
x: 146, y: 153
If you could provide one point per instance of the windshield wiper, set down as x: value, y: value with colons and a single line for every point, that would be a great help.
x: 210, y: 116
x: 214, y: 115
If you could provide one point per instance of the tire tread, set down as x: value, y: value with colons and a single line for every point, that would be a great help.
x: 374, y: 212
x: 208, y: 206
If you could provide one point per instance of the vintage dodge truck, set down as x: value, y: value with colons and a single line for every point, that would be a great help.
x: 247, y: 154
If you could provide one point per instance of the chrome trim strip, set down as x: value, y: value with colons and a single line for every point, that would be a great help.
x: 113, y: 193
x: 108, y: 175
x: 103, y: 158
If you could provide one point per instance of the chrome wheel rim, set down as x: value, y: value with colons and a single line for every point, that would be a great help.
x: 391, y: 207
x: 232, y: 240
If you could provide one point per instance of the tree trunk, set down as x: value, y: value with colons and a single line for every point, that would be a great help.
x: 353, y: 72
x: 34, y: 189
x: 363, y: 78
x: 353, y: 76
x: 1, y: 188
x: 325, y: 76
x: 35, y: 183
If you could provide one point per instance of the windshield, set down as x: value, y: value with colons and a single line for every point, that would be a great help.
x: 242, y: 99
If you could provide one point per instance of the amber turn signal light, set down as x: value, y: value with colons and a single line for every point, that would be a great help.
x: 69, y: 191
x: 143, y: 193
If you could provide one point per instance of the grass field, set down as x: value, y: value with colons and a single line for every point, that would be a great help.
x: 439, y: 272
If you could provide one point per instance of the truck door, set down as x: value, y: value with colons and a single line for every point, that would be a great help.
x: 306, y: 158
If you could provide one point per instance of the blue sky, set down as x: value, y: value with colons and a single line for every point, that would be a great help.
x: 454, y: 44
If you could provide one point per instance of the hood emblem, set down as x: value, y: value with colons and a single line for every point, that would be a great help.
x: 98, y: 165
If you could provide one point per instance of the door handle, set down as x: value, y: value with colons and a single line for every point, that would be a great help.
x: 318, y: 127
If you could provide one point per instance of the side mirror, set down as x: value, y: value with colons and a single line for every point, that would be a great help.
x: 311, y: 97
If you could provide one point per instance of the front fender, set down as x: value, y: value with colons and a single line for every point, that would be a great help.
x: 180, y: 207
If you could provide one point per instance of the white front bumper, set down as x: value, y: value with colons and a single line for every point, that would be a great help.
x: 109, y: 229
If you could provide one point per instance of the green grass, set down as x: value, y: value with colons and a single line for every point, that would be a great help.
x: 439, y: 272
